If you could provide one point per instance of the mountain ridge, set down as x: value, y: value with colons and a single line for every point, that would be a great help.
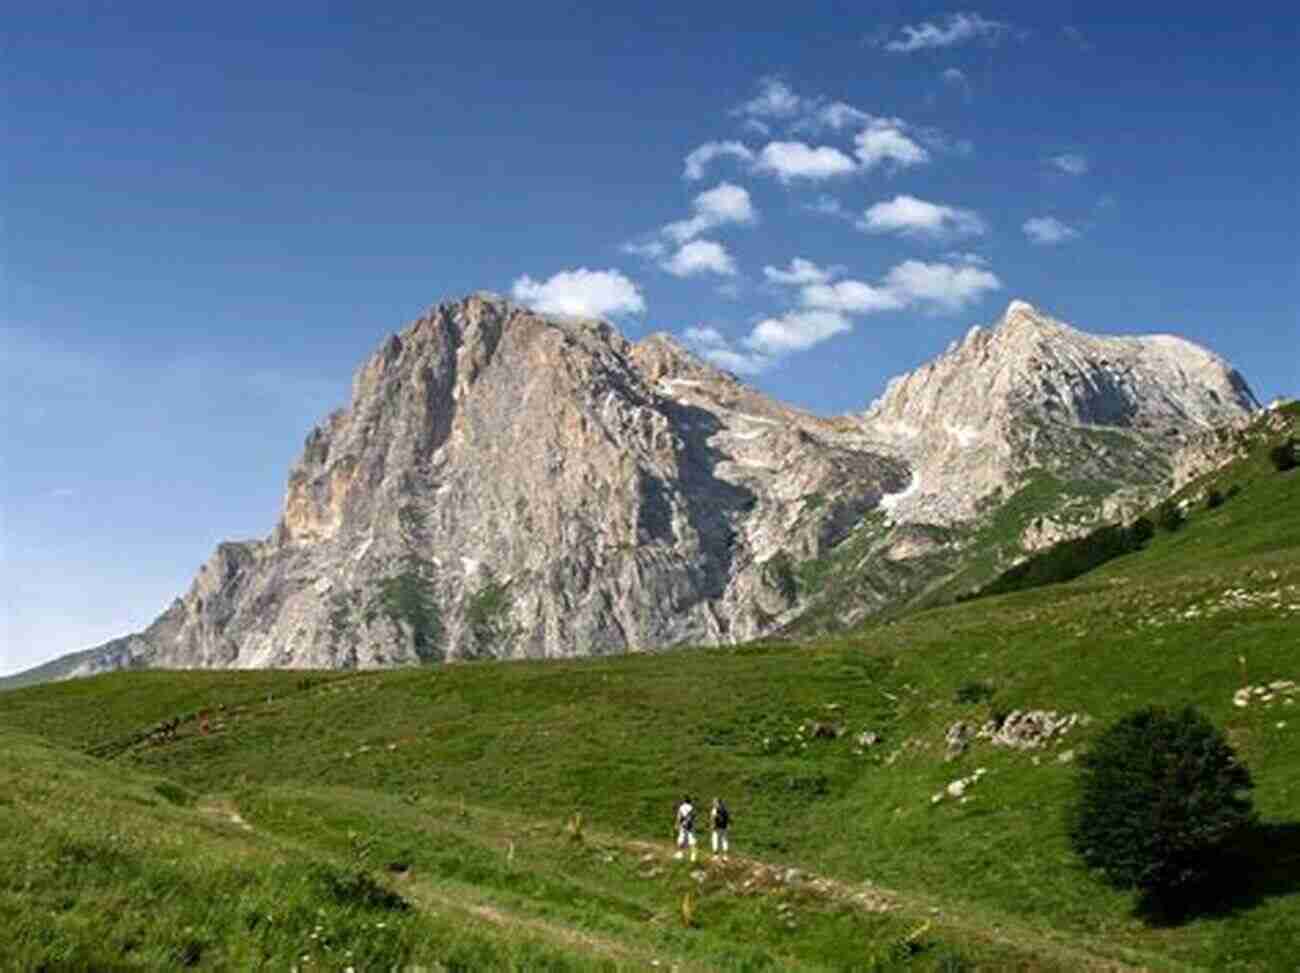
x: 506, y: 483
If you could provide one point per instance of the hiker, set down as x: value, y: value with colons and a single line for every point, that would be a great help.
x: 721, y: 819
x: 684, y: 824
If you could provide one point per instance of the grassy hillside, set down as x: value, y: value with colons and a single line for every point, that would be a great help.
x: 453, y: 786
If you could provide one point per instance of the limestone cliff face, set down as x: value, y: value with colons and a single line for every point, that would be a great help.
x: 508, y: 484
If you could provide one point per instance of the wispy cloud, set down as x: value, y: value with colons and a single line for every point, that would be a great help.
x: 1071, y: 163
x: 677, y: 248
x: 775, y: 100
x: 826, y: 307
x: 955, y: 79
x: 711, y: 345
x: 909, y: 216
x: 828, y: 206
x: 704, y: 335
x: 878, y: 138
x: 958, y: 28
x: 1076, y: 37
x: 652, y: 249
x: 837, y: 116
x: 700, y: 157
x: 800, y: 271
x: 724, y: 203
x: 581, y: 293
x: 1048, y: 230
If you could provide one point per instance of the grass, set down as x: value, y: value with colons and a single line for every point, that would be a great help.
x: 98, y: 873
x: 451, y: 786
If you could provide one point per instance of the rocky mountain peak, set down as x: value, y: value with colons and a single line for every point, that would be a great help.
x: 1005, y: 400
x: 1022, y: 314
x: 509, y: 483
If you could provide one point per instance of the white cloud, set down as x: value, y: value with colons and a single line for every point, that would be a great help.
x: 740, y: 362
x: 801, y: 271
x: 700, y: 257
x: 721, y: 205
x: 700, y: 157
x: 796, y: 331
x: 581, y: 293
x: 945, y: 286
x: 828, y: 206
x: 797, y: 160
x: 724, y: 203
x: 879, y: 138
x: 850, y: 297
x: 775, y: 99
x: 838, y: 115
x: 910, y: 216
x: 1071, y: 163
x: 704, y: 335
x: 884, y: 141
x: 778, y: 103
x: 1048, y: 230
x: 959, y: 28
x: 649, y: 249
x: 826, y: 309
x: 712, y: 345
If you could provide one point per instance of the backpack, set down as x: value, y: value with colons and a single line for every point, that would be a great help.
x: 721, y: 817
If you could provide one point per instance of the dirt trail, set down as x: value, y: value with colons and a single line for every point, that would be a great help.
x: 620, y: 952
x: 742, y: 875
x: 752, y: 875
x: 224, y: 809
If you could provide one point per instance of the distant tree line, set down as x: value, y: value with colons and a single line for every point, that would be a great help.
x: 1067, y: 560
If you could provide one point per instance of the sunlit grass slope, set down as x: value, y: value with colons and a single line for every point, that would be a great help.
x: 439, y: 772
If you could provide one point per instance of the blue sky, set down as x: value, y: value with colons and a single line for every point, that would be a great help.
x: 213, y: 214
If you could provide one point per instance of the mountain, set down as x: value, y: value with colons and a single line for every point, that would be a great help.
x: 509, y: 484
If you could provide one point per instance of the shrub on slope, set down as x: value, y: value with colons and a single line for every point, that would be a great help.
x: 1162, y: 795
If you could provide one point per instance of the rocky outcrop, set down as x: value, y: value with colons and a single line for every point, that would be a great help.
x: 508, y: 484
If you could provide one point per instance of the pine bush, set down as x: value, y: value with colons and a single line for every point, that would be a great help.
x: 1170, y: 516
x: 1283, y: 456
x: 1161, y: 797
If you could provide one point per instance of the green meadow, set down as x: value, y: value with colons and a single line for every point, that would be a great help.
x: 517, y: 815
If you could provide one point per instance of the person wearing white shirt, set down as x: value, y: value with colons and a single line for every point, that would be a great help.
x: 685, y: 827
